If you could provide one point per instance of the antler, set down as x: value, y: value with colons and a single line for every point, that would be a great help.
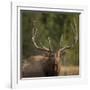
x: 34, y: 33
x: 75, y: 34
x: 74, y: 31
x: 64, y: 48
x: 49, y: 40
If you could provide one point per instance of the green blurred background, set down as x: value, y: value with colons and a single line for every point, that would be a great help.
x: 62, y: 28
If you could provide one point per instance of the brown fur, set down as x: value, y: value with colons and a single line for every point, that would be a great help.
x: 41, y: 65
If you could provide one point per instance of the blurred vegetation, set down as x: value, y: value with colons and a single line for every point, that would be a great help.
x: 62, y: 28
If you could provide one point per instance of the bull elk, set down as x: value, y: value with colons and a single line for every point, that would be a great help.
x: 47, y: 64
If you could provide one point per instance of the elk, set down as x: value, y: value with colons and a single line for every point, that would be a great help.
x: 47, y: 64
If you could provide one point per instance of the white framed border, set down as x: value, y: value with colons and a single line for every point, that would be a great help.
x: 15, y: 43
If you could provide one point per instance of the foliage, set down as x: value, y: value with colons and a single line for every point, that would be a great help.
x: 62, y: 28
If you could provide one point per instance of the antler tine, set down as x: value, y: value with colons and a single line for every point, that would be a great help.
x: 49, y: 41
x: 74, y: 30
x: 33, y: 38
x: 76, y: 36
x: 34, y: 33
x: 64, y: 48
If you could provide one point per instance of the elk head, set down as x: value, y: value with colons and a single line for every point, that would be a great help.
x: 53, y: 58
